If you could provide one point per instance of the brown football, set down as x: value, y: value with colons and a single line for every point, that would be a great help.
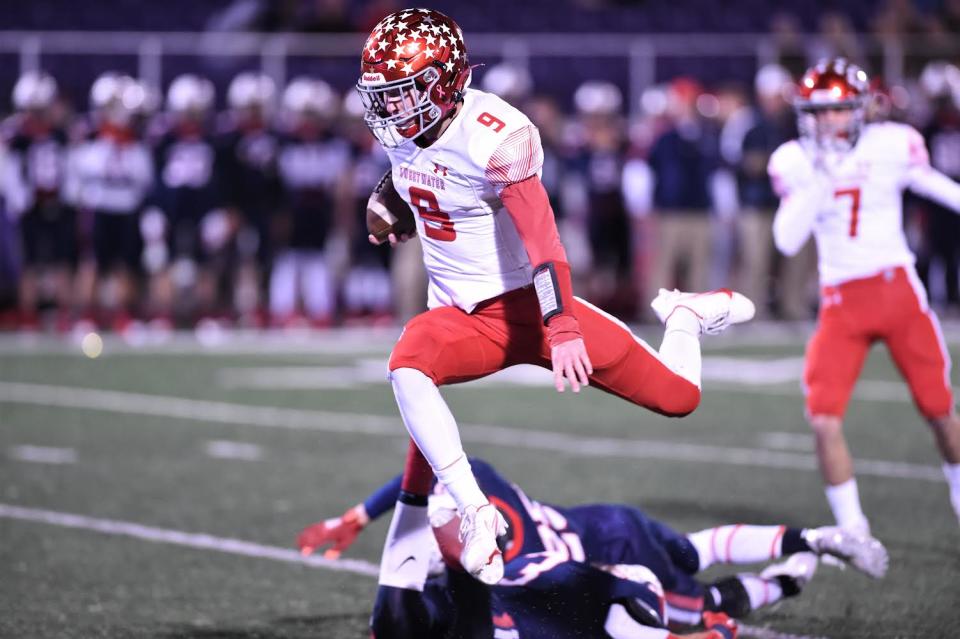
x: 387, y: 212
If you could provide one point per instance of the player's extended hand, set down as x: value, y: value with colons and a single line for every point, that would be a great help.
x: 392, y: 238
x: 720, y: 626
x: 571, y: 363
x: 340, y: 531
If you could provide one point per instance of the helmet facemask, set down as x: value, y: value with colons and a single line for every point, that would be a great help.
x: 817, y: 126
x: 402, y: 110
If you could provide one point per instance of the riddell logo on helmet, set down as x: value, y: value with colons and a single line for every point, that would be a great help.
x: 369, y: 78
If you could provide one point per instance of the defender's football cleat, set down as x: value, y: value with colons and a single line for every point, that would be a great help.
x: 715, y: 310
x: 479, y: 529
x: 794, y: 573
x: 863, y: 552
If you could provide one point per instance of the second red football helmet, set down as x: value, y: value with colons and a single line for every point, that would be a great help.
x: 833, y: 84
x: 413, y: 72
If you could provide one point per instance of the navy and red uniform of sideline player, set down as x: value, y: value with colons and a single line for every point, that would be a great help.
x: 37, y: 162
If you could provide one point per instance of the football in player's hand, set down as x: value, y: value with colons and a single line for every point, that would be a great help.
x: 387, y: 212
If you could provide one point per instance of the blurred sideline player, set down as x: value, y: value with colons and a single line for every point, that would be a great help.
x: 366, y: 286
x: 250, y: 188
x: 109, y: 175
x: 843, y: 181
x: 615, y: 534
x: 187, y: 203
x: 468, y: 164
x: 313, y: 166
x: 32, y: 184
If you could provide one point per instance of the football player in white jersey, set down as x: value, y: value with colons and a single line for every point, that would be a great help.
x: 843, y: 181
x: 469, y: 164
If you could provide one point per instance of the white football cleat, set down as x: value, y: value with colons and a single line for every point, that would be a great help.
x: 863, y: 552
x: 798, y: 570
x: 479, y: 529
x: 715, y: 310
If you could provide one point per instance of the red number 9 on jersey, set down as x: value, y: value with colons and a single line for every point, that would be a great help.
x: 437, y: 225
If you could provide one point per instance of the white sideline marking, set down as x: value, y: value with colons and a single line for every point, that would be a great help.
x: 758, y: 632
x: 199, y: 541
x: 358, y: 423
x: 221, y: 449
x: 43, y: 454
x: 787, y: 441
x: 751, y: 370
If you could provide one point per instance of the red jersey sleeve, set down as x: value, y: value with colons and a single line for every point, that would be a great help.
x: 529, y: 207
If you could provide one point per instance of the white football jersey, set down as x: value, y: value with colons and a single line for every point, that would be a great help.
x: 109, y: 177
x: 471, y: 248
x: 859, y: 231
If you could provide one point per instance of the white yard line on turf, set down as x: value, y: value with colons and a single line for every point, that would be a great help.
x: 356, y: 423
x: 221, y: 449
x: 43, y: 454
x: 758, y: 632
x: 201, y: 541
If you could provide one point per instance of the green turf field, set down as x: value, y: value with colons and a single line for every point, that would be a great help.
x: 254, y: 441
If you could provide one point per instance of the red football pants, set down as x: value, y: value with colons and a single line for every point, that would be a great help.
x: 890, y: 307
x: 451, y: 346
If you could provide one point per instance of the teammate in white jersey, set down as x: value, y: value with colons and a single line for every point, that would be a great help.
x: 843, y: 181
x: 499, y: 283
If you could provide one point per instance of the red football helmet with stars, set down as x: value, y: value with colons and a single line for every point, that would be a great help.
x: 832, y: 84
x: 413, y: 73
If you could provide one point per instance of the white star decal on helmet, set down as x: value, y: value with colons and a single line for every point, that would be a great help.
x: 407, y: 68
x: 455, y: 52
x: 391, y: 64
x: 430, y: 39
x: 399, y: 49
x: 445, y: 28
x: 448, y: 65
x: 428, y: 52
x: 383, y: 44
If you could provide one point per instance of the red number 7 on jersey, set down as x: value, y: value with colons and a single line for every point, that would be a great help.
x: 854, y: 194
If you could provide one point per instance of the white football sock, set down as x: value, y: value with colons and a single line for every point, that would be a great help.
x: 318, y: 293
x: 432, y: 426
x: 737, y: 544
x: 283, y: 285
x: 762, y: 592
x: 952, y: 473
x: 407, y: 550
x: 844, y: 500
x: 680, y: 349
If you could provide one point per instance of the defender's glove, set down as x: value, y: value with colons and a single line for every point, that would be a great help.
x: 340, y: 531
x: 720, y: 625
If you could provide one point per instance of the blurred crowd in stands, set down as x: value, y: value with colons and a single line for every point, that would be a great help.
x: 156, y: 211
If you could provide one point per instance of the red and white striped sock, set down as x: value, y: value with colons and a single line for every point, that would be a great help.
x: 737, y: 544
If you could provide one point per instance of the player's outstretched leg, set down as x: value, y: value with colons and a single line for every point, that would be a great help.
x: 433, y: 428
x: 743, y: 544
